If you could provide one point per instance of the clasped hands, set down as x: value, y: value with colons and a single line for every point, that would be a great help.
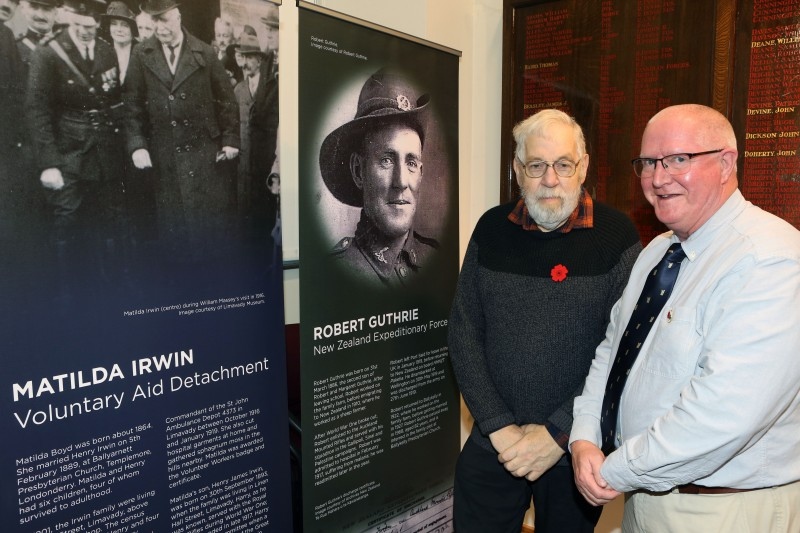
x: 529, y: 451
x: 526, y: 451
x: 587, y: 459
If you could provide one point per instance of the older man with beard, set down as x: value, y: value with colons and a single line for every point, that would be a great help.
x: 533, y: 300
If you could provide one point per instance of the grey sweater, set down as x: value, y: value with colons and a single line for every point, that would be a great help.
x: 521, y: 343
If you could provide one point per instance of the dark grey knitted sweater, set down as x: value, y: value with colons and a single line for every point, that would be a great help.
x: 521, y: 343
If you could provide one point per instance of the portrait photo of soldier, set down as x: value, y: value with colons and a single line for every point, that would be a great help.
x: 376, y: 163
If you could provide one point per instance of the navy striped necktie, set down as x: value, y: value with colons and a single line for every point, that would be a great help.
x: 655, y: 293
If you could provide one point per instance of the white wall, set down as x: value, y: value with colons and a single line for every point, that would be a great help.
x: 475, y: 28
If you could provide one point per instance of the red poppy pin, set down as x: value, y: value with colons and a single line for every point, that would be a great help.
x: 559, y: 273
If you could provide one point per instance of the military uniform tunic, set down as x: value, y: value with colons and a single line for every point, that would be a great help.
x: 74, y: 116
x: 364, y: 255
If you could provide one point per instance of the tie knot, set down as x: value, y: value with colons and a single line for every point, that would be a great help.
x: 675, y: 254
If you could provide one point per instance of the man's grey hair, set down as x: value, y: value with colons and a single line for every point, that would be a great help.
x: 538, y: 124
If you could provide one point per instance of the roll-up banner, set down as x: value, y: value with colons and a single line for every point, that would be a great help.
x: 142, y: 338
x: 379, y: 260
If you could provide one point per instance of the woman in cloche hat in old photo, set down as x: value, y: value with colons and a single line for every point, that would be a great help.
x: 119, y: 23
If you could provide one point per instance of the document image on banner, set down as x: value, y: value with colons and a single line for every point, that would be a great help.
x: 141, y: 326
x: 379, y: 250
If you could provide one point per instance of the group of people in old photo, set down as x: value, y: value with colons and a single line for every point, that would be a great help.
x: 131, y: 149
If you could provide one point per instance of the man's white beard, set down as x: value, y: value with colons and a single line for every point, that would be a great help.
x: 550, y: 218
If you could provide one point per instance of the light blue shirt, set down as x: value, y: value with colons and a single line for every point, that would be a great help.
x: 714, y: 396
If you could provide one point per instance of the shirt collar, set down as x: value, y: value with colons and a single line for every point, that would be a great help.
x: 581, y: 217
x: 369, y: 239
x: 81, y: 45
x: 706, y: 234
x: 177, y: 46
x: 34, y: 35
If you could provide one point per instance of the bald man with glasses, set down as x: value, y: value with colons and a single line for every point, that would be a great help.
x: 697, y: 421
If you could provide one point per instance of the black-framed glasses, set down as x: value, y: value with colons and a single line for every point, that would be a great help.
x: 564, y: 168
x: 675, y: 164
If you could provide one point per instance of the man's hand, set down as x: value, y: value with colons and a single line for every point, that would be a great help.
x: 587, y: 460
x: 505, y: 437
x: 230, y: 152
x: 141, y: 159
x: 533, y: 455
x: 51, y: 178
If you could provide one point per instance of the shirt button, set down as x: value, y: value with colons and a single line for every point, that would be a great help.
x: 183, y: 96
x: 185, y: 122
x: 172, y: 97
x: 174, y: 123
x: 403, y: 271
x: 187, y: 148
x: 177, y: 148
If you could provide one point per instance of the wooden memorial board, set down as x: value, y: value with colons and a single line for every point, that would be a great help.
x: 611, y: 64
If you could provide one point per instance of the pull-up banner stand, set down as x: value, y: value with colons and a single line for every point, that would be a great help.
x: 379, y: 247
x: 143, y: 382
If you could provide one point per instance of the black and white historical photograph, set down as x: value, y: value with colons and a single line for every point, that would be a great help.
x: 383, y: 174
x: 139, y: 147
x: 376, y: 163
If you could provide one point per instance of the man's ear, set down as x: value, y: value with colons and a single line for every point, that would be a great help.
x: 519, y: 172
x: 728, y: 162
x: 356, y: 170
x: 584, y: 168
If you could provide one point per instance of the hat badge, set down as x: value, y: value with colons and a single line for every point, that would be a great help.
x: 403, y: 103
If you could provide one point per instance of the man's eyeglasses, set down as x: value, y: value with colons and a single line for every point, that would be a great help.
x: 564, y: 168
x: 675, y: 164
